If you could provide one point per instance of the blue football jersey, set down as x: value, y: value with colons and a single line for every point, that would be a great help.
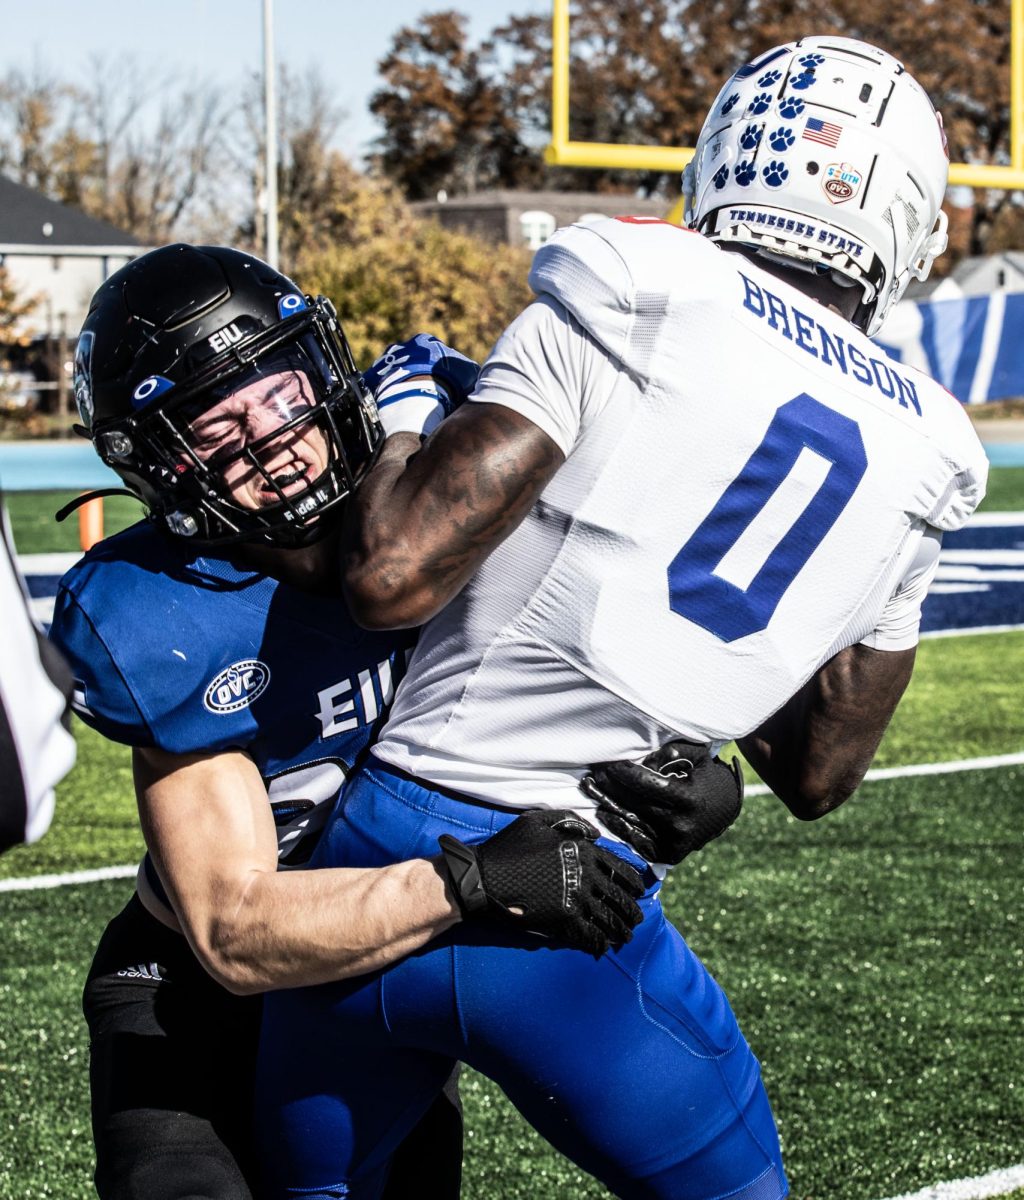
x: 178, y: 648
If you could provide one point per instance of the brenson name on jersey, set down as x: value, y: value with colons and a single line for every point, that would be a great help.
x: 191, y: 653
x: 748, y: 483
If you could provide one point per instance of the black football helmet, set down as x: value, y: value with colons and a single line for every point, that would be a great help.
x: 176, y: 331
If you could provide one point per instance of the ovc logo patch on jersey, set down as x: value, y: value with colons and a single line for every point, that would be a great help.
x: 236, y: 686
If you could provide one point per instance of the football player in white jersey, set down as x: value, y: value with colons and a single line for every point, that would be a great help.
x: 688, y: 498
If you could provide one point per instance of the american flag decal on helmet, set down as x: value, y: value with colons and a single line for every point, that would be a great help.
x: 824, y: 132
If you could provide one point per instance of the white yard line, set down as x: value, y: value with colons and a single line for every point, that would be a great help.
x: 31, y: 882
x: 995, y: 519
x: 946, y: 633
x: 995, y: 1183
x: 55, y: 563
x: 939, y: 768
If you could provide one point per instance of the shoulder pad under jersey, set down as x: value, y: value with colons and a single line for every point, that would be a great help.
x: 609, y: 273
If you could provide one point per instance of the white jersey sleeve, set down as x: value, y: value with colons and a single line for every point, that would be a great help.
x: 899, y: 625
x: 548, y: 369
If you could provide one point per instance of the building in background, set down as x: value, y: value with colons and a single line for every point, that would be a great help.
x: 530, y: 218
x: 56, y: 255
x: 56, y: 252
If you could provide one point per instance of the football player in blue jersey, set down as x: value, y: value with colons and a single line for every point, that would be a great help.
x: 211, y: 639
x: 687, y: 498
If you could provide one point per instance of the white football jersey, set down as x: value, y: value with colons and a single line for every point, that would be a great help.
x: 747, y: 481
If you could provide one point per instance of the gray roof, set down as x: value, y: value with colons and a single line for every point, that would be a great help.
x: 25, y: 212
x: 983, y: 273
x: 978, y: 276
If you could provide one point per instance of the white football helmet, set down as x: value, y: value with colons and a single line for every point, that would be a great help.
x: 828, y: 153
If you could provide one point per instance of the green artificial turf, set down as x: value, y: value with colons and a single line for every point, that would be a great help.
x: 1005, y: 490
x: 95, y: 823
x: 874, y: 960
x: 964, y: 700
x: 36, y: 531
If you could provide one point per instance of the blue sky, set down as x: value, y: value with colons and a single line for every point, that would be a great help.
x: 223, y: 38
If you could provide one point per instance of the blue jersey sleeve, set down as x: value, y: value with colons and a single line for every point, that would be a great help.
x: 190, y: 653
x: 102, y: 697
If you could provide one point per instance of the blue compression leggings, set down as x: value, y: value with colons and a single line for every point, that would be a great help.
x: 632, y: 1065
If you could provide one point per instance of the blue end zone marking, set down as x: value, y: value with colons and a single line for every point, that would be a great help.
x: 1008, y: 371
x: 980, y: 580
x: 41, y: 587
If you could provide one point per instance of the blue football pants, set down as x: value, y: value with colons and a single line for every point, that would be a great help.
x: 632, y: 1065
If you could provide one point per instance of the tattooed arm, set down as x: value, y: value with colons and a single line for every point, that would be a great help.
x: 425, y: 518
x: 814, y: 751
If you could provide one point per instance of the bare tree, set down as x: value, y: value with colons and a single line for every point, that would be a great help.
x: 137, y: 148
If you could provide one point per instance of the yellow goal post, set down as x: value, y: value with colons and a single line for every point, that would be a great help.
x: 564, y: 152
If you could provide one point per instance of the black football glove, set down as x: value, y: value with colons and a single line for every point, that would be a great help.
x: 544, y: 873
x: 670, y: 804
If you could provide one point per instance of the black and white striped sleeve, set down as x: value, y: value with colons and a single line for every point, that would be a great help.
x: 36, y: 748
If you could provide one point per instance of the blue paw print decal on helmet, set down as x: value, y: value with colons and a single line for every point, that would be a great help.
x: 720, y: 178
x: 775, y: 174
x: 791, y: 108
x: 802, y: 81
x: 760, y: 103
x: 810, y: 61
x: 768, y: 78
x: 750, y: 137
x: 731, y: 103
x: 781, y: 139
x: 745, y: 173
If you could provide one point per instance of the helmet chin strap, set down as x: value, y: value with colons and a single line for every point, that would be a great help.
x: 62, y: 514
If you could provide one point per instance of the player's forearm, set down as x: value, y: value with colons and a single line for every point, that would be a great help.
x: 295, y: 928
x: 383, y: 572
x: 814, y: 752
x: 421, y: 523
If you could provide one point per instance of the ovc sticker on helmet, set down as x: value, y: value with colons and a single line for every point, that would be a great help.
x: 154, y: 385
x: 237, y: 686
x: 841, y: 182
x: 290, y: 304
x: 82, y: 381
